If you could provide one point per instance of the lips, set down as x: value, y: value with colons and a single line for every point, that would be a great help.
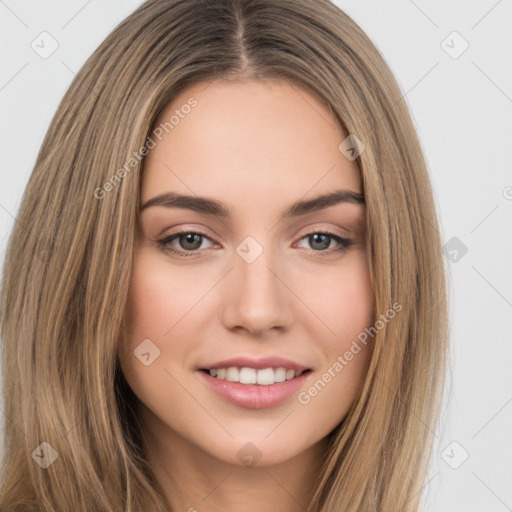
x: 255, y: 383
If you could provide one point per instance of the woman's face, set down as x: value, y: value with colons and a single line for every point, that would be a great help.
x: 224, y: 280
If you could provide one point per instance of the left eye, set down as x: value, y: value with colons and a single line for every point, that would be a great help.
x: 191, y: 242
x: 322, y: 240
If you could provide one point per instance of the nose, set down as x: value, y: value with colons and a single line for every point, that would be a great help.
x: 256, y: 296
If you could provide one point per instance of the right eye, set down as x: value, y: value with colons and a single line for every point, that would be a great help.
x: 190, y: 242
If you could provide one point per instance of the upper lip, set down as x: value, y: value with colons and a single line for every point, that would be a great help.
x: 258, y: 364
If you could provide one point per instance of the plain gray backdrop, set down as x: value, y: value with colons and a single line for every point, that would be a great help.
x: 453, y: 62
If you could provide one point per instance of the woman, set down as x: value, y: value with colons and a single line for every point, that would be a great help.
x: 253, y: 369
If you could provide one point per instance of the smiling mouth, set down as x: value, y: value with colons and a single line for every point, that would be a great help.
x: 263, y: 377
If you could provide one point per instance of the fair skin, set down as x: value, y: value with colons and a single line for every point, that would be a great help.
x: 258, y: 147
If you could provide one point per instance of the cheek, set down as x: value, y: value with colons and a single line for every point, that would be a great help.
x: 347, y: 309
x: 352, y: 306
x: 342, y: 302
x: 160, y: 299
x: 156, y: 309
x: 354, y: 312
x: 151, y: 313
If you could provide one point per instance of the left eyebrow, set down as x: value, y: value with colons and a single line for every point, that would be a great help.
x: 219, y: 209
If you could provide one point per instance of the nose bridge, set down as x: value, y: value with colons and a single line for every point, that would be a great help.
x: 255, y: 293
x: 253, y: 272
x: 256, y: 274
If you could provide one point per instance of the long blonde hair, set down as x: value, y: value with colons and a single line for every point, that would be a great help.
x: 69, y: 259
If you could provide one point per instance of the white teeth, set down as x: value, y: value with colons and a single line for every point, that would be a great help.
x: 279, y: 374
x: 265, y: 377
x: 245, y: 375
x: 232, y: 374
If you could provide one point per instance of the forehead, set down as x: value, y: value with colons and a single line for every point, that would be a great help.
x: 269, y: 139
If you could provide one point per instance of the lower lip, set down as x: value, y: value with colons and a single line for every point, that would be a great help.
x: 254, y: 396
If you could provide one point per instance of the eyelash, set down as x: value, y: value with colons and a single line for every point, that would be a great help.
x: 164, y: 243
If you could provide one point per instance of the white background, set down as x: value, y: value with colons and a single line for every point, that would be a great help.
x: 462, y: 108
